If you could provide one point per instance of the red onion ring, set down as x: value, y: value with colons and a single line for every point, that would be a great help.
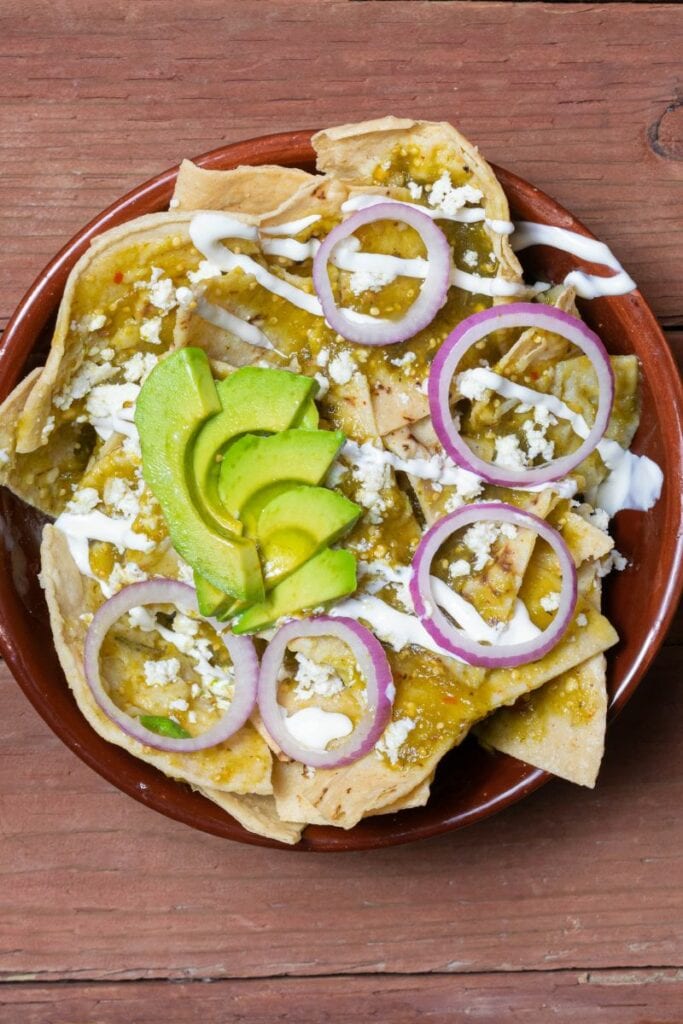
x: 453, y: 639
x: 472, y: 330
x: 374, y: 666
x: 432, y: 294
x: 241, y: 649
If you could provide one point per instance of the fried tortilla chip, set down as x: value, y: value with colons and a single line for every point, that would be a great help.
x: 52, y: 447
x: 255, y: 192
x: 241, y: 765
x: 560, y: 728
x: 381, y: 153
x: 255, y: 813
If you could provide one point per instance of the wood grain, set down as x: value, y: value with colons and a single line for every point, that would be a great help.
x: 567, y: 907
x: 97, y: 96
x: 566, y: 997
x: 98, y: 887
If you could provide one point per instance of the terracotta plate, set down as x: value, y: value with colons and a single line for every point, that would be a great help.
x: 470, y: 784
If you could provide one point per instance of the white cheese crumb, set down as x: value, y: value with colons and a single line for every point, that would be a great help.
x: 600, y: 519
x: 403, y: 361
x: 184, y: 296
x: 4, y: 456
x: 140, y: 618
x: 393, y: 738
x: 470, y: 386
x: 149, y: 330
x: 373, y: 475
x: 461, y: 567
x: 83, y: 501
x: 139, y: 366
x: 123, y: 575
x: 179, y: 704
x: 342, y: 368
x: 323, y: 357
x: 470, y: 258
x: 369, y: 280
x: 48, y: 427
x: 174, y: 203
x: 414, y: 189
x: 204, y: 271
x: 509, y: 454
x: 122, y: 499
x: 313, y: 678
x: 536, y: 442
x: 185, y: 625
x: 615, y: 560
x: 107, y: 400
x: 479, y: 538
x: 95, y: 322
x: 551, y: 601
x: 444, y: 196
x: 581, y: 619
x: 87, y: 377
x: 185, y: 572
x: 159, y: 673
x: 162, y: 291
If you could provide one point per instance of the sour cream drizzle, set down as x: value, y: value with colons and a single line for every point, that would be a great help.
x: 588, y: 286
x: 291, y: 227
x: 80, y: 528
x: 462, y: 611
x: 438, y: 469
x: 398, y: 629
x: 207, y: 230
x: 466, y: 215
x: 227, y: 321
x: 634, y: 481
x: 315, y: 728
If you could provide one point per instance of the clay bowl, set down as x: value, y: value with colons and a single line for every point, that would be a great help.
x: 470, y: 784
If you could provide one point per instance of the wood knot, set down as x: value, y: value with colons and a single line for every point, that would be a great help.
x: 666, y: 133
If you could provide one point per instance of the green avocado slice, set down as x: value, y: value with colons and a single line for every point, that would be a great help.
x: 327, y: 576
x: 294, y: 526
x: 255, y: 470
x: 211, y: 601
x: 309, y: 418
x: 253, y: 400
x: 174, y: 402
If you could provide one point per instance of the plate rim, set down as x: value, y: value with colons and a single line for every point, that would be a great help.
x: 29, y: 318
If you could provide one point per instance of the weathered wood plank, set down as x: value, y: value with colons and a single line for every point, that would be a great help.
x: 580, y: 98
x: 568, y: 997
x: 97, y: 887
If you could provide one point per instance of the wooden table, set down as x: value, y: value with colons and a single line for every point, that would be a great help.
x: 569, y: 902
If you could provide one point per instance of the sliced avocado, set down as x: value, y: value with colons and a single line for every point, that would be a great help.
x: 309, y: 418
x: 331, y: 574
x: 297, y: 524
x: 255, y: 469
x: 253, y: 400
x: 210, y: 600
x: 176, y: 399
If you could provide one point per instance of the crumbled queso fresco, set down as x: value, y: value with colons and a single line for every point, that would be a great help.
x: 509, y: 453
x: 551, y: 601
x: 444, y: 196
x: 158, y: 673
x: 342, y: 368
x: 369, y: 281
x: 481, y: 536
x: 314, y: 679
x: 393, y: 738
